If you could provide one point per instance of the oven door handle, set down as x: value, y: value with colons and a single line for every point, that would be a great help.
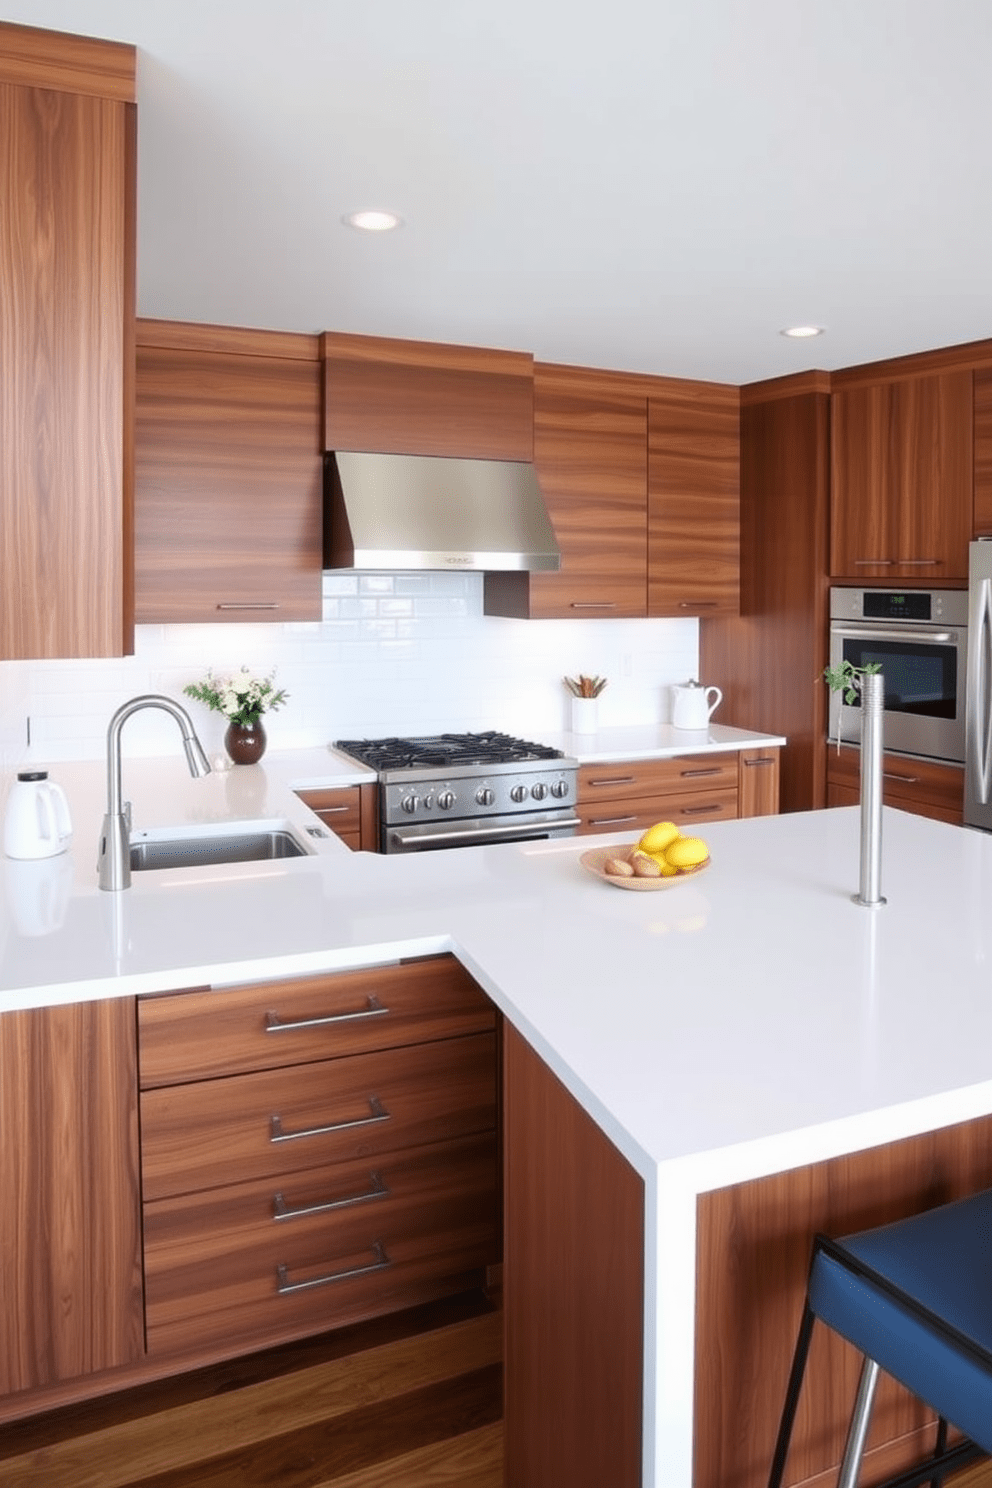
x: 978, y: 744
x: 403, y: 835
x: 881, y: 632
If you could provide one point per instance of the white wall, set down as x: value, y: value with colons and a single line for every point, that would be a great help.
x: 395, y: 653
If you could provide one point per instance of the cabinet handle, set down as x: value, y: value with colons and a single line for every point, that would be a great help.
x: 616, y: 780
x: 610, y: 821
x: 282, y: 1210
x: 590, y: 604
x: 874, y: 562
x: 284, y: 1286
x: 700, y: 810
x: 751, y: 763
x: 697, y: 604
x: 262, y: 605
x: 905, y: 779
x: 375, y: 1009
x: 691, y: 774
x: 331, y: 810
x: 379, y: 1113
x: 918, y: 562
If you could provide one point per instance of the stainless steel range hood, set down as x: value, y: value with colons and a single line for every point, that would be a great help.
x: 420, y: 511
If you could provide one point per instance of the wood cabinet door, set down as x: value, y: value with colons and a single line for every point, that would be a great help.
x: 590, y: 451
x: 758, y: 782
x: 694, y: 529
x: 66, y: 347
x: 923, y: 787
x: 70, y: 1228
x: 902, y: 461
x: 229, y: 475
x: 982, y: 524
x: 424, y: 398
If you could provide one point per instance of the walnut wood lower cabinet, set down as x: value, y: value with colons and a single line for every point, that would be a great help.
x: 924, y: 787
x: 629, y: 795
x: 315, y: 1152
x: 70, y: 1234
x: 350, y: 811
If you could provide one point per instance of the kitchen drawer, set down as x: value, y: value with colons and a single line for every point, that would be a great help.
x: 187, y: 1036
x: 636, y: 813
x: 924, y: 787
x: 275, y: 1122
x: 644, y: 778
x: 340, y: 809
x: 222, y: 1265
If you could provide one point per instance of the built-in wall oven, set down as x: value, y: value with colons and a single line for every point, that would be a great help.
x: 920, y: 637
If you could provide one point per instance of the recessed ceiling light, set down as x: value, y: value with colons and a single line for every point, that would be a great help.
x: 799, y: 333
x: 372, y: 221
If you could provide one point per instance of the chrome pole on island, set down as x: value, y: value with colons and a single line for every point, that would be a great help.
x: 872, y: 705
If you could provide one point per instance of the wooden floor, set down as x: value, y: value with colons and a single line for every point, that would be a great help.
x: 411, y: 1402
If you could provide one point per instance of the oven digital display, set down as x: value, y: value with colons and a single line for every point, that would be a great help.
x: 889, y: 604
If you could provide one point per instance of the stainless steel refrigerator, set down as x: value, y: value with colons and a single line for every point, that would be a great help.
x: 978, y: 689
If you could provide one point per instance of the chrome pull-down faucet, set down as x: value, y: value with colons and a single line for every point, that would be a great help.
x: 114, y: 859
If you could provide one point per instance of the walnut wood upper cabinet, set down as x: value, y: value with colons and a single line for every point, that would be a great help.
x: 67, y: 195
x: 228, y: 474
x: 982, y: 526
x: 590, y: 451
x: 902, y: 462
x: 694, y: 533
x: 425, y: 398
x: 70, y: 1229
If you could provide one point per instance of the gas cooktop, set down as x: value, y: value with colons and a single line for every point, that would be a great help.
x: 444, y: 751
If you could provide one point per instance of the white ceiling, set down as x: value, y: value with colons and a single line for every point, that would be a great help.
x: 660, y: 185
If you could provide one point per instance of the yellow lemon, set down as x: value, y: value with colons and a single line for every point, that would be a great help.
x: 687, y: 852
x: 658, y: 837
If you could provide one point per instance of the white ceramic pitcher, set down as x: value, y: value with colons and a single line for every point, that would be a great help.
x: 36, y: 823
x: 693, y: 709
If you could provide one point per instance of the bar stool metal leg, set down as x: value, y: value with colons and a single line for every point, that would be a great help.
x: 857, y: 1433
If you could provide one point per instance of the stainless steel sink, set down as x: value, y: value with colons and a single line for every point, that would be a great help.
x: 195, y: 850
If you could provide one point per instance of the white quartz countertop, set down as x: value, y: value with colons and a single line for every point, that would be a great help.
x: 740, y: 1022
x: 656, y: 741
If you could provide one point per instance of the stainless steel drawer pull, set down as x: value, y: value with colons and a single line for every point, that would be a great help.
x: 614, y: 780
x: 697, y: 604
x: 610, y: 821
x: 271, y: 605
x: 379, y: 1113
x: 752, y: 763
x: 691, y: 774
x: 701, y: 810
x: 590, y: 604
x: 874, y: 562
x: 904, y: 779
x: 282, y: 1210
x: 375, y: 1009
x: 284, y: 1286
x: 918, y: 562
x: 332, y: 810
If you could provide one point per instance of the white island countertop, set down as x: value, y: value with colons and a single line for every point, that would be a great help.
x: 742, y: 1022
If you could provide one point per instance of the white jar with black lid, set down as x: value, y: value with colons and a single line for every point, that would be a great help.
x: 36, y: 822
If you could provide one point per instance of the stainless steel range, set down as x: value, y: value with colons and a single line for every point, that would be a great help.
x: 460, y: 790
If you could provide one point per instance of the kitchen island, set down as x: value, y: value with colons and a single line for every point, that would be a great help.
x: 745, y: 1024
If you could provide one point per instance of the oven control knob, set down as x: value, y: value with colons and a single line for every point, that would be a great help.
x: 410, y: 804
x: 428, y: 803
x: 539, y: 791
x: 560, y: 789
x: 484, y: 797
x: 446, y: 800
x: 518, y: 793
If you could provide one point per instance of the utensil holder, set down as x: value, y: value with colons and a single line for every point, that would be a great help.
x: 585, y: 715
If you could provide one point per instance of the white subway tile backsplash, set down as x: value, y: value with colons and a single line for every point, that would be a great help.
x: 395, y: 653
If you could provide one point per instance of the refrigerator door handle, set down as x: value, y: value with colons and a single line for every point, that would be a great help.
x: 979, y: 713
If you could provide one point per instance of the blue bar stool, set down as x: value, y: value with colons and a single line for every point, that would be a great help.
x: 916, y: 1298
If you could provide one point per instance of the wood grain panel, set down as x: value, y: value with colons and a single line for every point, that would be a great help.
x: 184, y: 335
x: 211, y: 1259
x: 338, y: 809
x: 30, y: 57
x: 199, y: 1035
x: 982, y: 520
x: 574, y: 1298
x: 590, y: 450
x: 426, y: 398
x: 758, y: 782
x: 966, y: 356
x: 922, y: 786
x: 70, y: 1262
x: 637, y: 813
x: 902, y: 477
x: 767, y: 662
x: 196, y: 1136
x: 686, y: 772
x: 64, y: 254
x: 796, y: 385
x: 229, y: 487
x: 694, y: 500
x: 753, y: 1248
